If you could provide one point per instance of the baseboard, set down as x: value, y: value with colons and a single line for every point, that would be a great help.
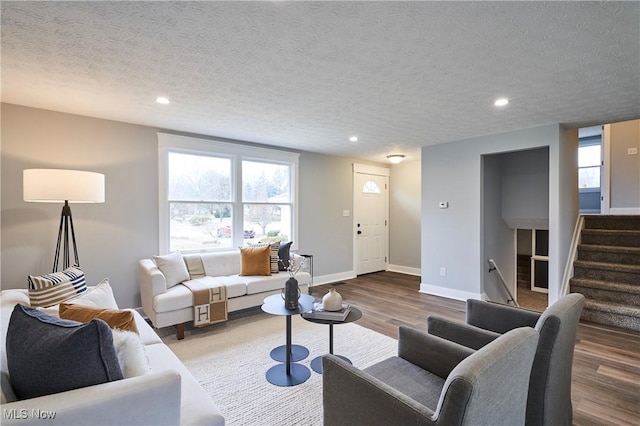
x: 404, y: 270
x: 332, y: 278
x: 450, y: 293
x: 624, y: 210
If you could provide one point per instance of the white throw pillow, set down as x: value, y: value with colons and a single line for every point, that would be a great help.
x: 101, y: 296
x: 131, y: 353
x: 173, y: 267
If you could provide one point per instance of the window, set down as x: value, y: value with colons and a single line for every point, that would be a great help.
x: 370, y: 187
x: 589, y: 161
x: 218, y: 196
x: 199, y: 201
x: 266, y: 199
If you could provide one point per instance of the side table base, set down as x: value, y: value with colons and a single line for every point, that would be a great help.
x: 277, y: 375
x: 316, y: 363
x: 298, y: 353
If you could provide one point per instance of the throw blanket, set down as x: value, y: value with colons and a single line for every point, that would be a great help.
x: 209, y: 301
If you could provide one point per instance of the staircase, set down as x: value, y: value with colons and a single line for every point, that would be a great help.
x: 607, y: 271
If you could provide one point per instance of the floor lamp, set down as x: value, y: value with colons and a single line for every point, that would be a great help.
x: 63, y: 186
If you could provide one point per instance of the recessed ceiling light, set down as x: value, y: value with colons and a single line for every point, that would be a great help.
x: 501, y: 102
x: 353, y: 139
x: 162, y: 100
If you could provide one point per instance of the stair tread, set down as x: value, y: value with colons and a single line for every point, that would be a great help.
x: 611, y: 231
x: 609, y: 248
x: 617, y: 308
x: 618, y: 267
x: 605, y: 285
x: 608, y: 221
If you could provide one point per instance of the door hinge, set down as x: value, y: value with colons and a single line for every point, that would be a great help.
x: 385, y: 259
x: 385, y: 222
x: 385, y: 186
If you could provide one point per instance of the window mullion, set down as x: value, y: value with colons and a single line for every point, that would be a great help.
x: 238, y: 206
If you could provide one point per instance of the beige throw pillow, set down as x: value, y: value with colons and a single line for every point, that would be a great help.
x: 100, y: 296
x: 173, y: 268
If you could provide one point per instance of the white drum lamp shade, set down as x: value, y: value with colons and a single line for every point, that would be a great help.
x: 63, y: 186
x: 58, y: 186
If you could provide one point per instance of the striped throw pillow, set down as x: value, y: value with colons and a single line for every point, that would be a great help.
x: 273, y: 254
x: 52, y: 289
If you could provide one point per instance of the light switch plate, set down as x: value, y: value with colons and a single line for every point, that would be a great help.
x: 632, y: 151
x: 443, y: 204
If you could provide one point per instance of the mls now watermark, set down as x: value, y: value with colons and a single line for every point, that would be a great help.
x: 23, y: 414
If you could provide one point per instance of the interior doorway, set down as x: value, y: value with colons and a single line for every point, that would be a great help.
x: 515, y: 196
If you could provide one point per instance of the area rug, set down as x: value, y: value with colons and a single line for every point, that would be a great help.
x: 230, y: 361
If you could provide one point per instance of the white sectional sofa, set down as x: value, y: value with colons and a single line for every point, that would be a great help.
x: 173, y: 305
x: 167, y: 395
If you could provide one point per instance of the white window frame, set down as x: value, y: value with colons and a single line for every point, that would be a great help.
x: 598, y: 166
x: 237, y: 153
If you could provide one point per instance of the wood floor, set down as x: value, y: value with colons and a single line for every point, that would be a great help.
x: 606, y: 364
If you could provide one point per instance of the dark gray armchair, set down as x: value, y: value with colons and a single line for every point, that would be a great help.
x: 549, y: 400
x: 433, y: 382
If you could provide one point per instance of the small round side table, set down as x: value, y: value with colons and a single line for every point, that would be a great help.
x: 354, y: 315
x: 289, y: 373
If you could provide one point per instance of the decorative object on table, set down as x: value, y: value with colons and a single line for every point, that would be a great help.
x: 68, y: 186
x: 291, y: 291
x: 332, y: 301
x: 319, y: 312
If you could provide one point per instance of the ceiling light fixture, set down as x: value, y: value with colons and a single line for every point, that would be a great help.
x: 162, y: 100
x: 353, y: 139
x: 395, y: 158
x: 501, y: 102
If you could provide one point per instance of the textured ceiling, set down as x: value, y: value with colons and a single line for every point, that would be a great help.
x: 307, y: 75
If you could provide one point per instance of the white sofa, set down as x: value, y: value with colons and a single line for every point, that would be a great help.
x: 174, y: 305
x: 167, y: 395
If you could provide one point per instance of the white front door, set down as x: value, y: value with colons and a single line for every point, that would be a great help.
x: 370, y: 222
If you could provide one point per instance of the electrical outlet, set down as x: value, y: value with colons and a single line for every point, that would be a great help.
x: 443, y: 271
x: 632, y: 151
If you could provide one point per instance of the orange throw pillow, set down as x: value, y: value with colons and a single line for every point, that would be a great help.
x: 255, y: 261
x: 120, y: 319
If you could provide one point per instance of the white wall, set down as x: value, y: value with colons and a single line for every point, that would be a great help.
x: 525, y: 188
x: 563, y: 205
x: 452, y: 238
x: 113, y: 236
x: 404, y: 217
x: 496, y: 237
x: 625, y: 168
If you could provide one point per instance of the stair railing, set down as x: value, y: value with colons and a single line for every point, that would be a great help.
x: 494, y: 267
x: 573, y: 253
